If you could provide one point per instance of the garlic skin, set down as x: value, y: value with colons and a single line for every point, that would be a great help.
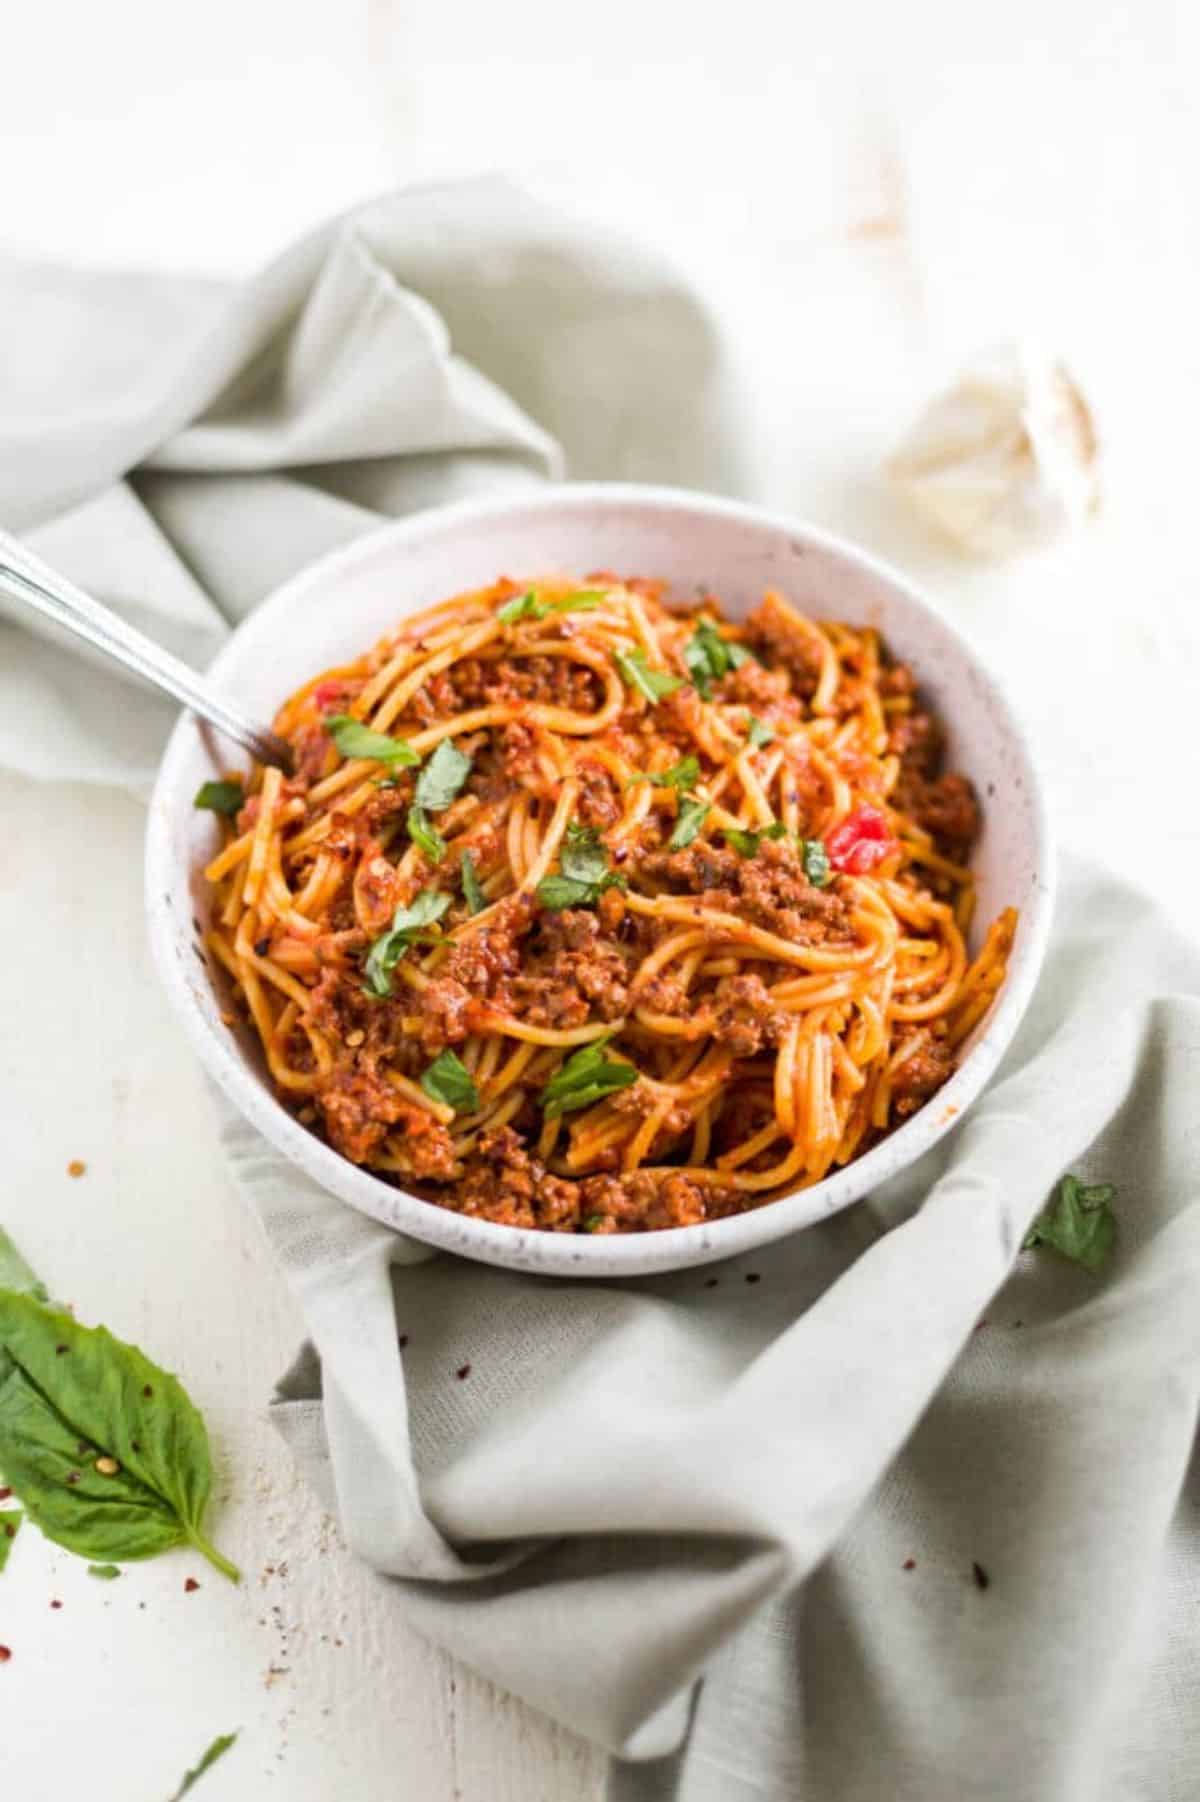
x: 1007, y: 458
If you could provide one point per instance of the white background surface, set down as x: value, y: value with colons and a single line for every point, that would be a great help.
x: 865, y: 193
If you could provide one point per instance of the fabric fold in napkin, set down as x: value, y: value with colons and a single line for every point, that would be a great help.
x: 888, y: 1512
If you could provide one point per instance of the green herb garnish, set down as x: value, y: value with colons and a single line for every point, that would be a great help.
x: 682, y: 775
x: 759, y: 733
x: 408, y: 925
x: 815, y: 859
x: 424, y: 836
x: 105, y: 1573
x: 709, y: 657
x: 746, y: 842
x: 442, y: 777
x: 1079, y: 1223
x: 473, y: 895
x: 593, y: 1223
x: 636, y: 673
x: 527, y: 606
x: 217, y: 1750
x: 584, y: 872
x: 141, y: 1482
x: 353, y: 739
x: 692, y: 815
x: 227, y: 798
x: 10, y: 1520
x: 585, y: 1077
x: 448, y: 1079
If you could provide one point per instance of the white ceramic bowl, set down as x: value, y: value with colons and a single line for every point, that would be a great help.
x: 342, y: 604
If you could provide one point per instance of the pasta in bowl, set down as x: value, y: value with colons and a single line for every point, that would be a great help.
x: 598, y: 910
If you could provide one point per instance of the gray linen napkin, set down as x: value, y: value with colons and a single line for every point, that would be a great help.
x: 799, y: 1526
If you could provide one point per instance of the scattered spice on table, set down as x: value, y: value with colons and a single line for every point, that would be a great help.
x: 403, y: 1341
x: 5, y: 1654
x: 463, y: 1371
x: 76, y: 1167
x: 909, y: 1564
x: 752, y: 1276
x: 190, y: 1585
x: 710, y: 1282
x: 56, y: 1604
x: 982, y: 1580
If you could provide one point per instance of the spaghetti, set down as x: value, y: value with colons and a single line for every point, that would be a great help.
x: 585, y: 912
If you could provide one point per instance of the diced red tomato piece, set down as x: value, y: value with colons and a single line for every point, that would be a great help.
x: 860, y: 843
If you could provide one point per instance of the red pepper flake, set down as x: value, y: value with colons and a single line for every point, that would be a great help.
x: 147, y: 1391
x: 463, y: 1372
x: 60, y: 1351
x: 5, y: 1654
x: 861, y: 842
x: 76, y: 1167
x: 403, y: 1341
x: 56, y: 1604
x: 909, y: 1564
x: 4, y: 1494
x: 980, y: 1575
x: 135, y: 1445
x: 10, y: 1532
x: 979, y: 1325
x: 261, y: 947
x: 752, y: 1276
x: 190, y: 1585
x: 72, y: 1476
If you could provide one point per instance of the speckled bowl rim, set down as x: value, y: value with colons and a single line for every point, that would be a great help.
x: 556, y: 1254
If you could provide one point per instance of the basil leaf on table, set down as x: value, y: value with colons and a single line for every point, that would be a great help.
x: 10, y: 1520
x: 106, y: 1573
x: 64, y: 1386
x: 425, y: 835
x: 217, y: 1750
x: 353, y: 739
x: 636, y: 673
x: 448, y: 1080
x: 692, y: 815
x: 473, y: 894
x: 227, y: 798
x: 1079, y: 1223
x: 442, y: 777
x: 585, y: 1077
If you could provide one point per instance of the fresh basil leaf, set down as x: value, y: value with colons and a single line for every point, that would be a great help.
x: 692, y: 815
x: 760, y: 733
x: 68, y: 1384
x: 473, y: 895
x: 746, y: 842
x: 442, y: 777
x: 583, y: 857
x: 217, y: 1750
x: 522, y: 606
x: 682, y: 775
x: 448, y: 1079
x: 584, y: 1078
x: 227, y: 798
x: 558, y: 892
x: 105, y: 1573
x: 16, y: 1274
x: 584, y: 600
x: 636, y: 673
x: 10, y: 1521
x: 407, y: 923
x: 422, y: 833
x: 709, y: 657
x: 1079, y: 1223
x: 815, y: 859
x: 353, y: 739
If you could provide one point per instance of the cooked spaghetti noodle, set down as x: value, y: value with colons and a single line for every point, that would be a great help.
x: 586, y: 912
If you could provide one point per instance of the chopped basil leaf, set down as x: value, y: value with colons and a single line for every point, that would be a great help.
x: 10, y: 1520
x: 709, y: 656
x: 472, y: 893
x: 1079, y: 1223
x: 527, y: 606
x: 815, y: 859
x: 407, y: 923
x: 636, y: 673
x: 593, y: 1223
x: 353, y: 739
x: 583, y: 861
x: 105, y: 1572
x: 585, y: 1077
x: 424, y: 835
x: 760, y: 733
x: 217, y: 1750
x: 692, y: 816
x: 746, y: 843
x: 448, y: 1079
x: 442, y: 777
x: 221, y: 797
x: 682, y: 775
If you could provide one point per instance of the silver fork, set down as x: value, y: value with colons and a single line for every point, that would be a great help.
x: 26, y: 579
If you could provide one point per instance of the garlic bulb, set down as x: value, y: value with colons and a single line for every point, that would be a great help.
x: 1006, y: 458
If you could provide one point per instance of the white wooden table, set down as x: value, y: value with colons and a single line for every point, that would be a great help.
x: 865, y: 193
